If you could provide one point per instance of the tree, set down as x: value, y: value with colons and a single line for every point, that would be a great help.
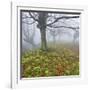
x: 28, y: 33
x: 29, y: 37
x: 75, y: 36
x: 42, y: 26
x: 46, y: 19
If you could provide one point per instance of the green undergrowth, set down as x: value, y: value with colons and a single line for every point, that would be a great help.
x: 54, y: 62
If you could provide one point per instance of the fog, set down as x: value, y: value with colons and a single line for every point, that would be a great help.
x: 31, y: 37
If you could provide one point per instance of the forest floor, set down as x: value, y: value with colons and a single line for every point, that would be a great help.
x: 60, y: 60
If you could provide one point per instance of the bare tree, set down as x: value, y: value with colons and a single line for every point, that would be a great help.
x: 75, y: 36
x: 29, y: 33
x: 29, y: 37
x: 46, y: 19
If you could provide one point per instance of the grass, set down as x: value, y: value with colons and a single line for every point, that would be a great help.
x: 56, y: 62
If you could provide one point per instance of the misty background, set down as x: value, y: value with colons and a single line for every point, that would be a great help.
x: 67, y: 31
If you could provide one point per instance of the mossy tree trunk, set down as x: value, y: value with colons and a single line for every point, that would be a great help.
x: 43, y: 39
x: 42, y: 26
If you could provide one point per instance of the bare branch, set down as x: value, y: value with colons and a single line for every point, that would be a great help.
x: 73, y: 28
x: 28, y: 22
x: 33, y: 17
x: 63, y: 17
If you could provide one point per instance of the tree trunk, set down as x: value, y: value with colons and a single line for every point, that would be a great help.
x: 42, y: 26
x: 54, y: 41
x: 43, y: 39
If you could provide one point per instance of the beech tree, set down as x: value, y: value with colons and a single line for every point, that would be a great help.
x: 47, y: 19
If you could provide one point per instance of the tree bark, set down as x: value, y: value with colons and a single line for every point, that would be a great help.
x: 42, y: 26
x: 43, y: 39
